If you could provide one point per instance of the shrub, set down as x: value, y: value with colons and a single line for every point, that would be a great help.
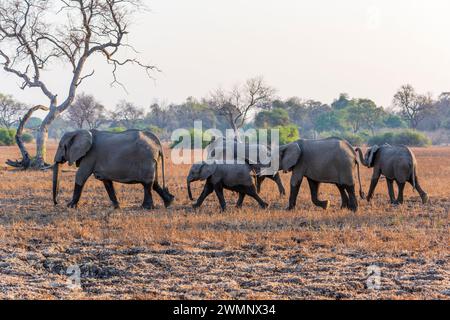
x: 286, y: 134
x: 353, y: 138
x: 27, y: 138
x: 194, y: 134
x: 117, y: 129
x: 407, y: 137
x: 7, y: 137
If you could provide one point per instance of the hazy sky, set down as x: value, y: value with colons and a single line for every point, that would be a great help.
x: 311, y: 49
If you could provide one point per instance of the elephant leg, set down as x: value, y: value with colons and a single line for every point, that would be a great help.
x: 314, y: 188
x: 207, y: 190
x: 77, y: 190
x: 422, y: 193
x: 353, y: 201
x: 218, y: 188
x: 259, y: 181
x: 390, y: 185
x: 295, y: 188
x: 277, y: 180
x: 373, y: 185
x: 251, y: 191
x: 111, y: 193
x: 344, y: 197
x: 80, y: 179
x: 401, y: 187
x: 240, y: 200
x: 148, y: 198
x: 164, y: 194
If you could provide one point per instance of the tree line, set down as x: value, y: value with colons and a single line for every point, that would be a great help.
x: 254, y: 105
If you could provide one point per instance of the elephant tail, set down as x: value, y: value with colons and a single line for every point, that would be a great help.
x: 413, y: 165
x: 163, y: 168
x: 361, y: 192
x: 155, y: 138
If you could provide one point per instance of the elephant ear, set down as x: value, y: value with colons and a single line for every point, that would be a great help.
x: 371, y: 155
x: 289, y: 155
x: 207, y: 170
x: 79, y: 145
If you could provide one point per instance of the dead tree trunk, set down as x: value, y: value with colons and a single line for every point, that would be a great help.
x: 26, y: 161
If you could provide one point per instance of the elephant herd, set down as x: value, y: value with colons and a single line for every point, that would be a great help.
x: 133, y: 157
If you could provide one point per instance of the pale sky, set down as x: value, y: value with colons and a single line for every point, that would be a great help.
x: 310, y: 49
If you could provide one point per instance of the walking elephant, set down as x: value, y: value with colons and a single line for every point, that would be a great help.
x: 396, y: 163
x: 128, y: 157
x: 255, y: 155
x: 330, y: 160
x: 219, y: 176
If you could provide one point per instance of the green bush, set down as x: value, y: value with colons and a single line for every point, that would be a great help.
x: 7, y: 137
x: 354, y: 139
x: 286, y: 134
x: 194, y: 133
x: 407, y: 137
x: 117, y: 129
x: 27, y: 138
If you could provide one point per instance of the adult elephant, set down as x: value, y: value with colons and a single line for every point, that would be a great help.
x: 257, y: 156
x: 128, y: 157
x: 330, y: 160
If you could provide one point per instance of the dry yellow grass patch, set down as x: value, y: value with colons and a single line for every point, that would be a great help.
x: 248, y: 253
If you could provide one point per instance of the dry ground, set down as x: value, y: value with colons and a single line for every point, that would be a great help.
x: 240, y: 254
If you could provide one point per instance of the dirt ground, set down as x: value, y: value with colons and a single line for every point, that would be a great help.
x: 381, y: 252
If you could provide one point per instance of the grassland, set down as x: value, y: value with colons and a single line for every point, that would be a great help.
x: 250, y: 253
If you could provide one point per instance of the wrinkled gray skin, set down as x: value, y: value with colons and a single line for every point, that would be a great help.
x: 128, y: 157
x: 330, y: 160
x: 235, y: 177
x: 217, y: 150
x: 396, y: 163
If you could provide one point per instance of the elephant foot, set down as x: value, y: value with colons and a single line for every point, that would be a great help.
x: 290, y: 208
x: 325, y: 204
x: 167, y: 203
x: 72, y: 204
x: 148, y: 206
x: 263, y: 205
x: 116, y: 206
x: 395, y: 202
x: 425, y: 198
x: 195, y: 206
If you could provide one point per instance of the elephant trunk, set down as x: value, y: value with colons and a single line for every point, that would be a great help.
x: 56, y: 174
x: 189, y: 189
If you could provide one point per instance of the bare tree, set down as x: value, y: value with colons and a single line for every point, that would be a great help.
x: 235, y: 105
x: 86, y: 112
x: 414, y: 107
x: 127, y: 114
x: 82, y: 29
x: 10, y: 111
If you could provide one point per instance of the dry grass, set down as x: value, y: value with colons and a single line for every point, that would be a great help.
x: 248, y: 253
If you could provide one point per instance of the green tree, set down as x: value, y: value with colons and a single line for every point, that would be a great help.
x: 273, y: 118
x: 364, y: 114
x: 342, y: 102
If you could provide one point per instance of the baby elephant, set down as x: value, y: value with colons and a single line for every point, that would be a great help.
x: 235, y: 177
x: 395, y: 163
